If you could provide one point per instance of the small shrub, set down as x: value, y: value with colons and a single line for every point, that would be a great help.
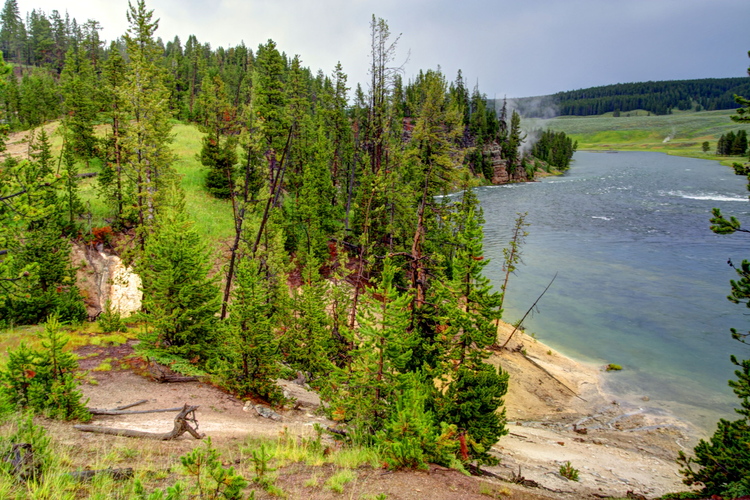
x: 104, y: 366
x: 212, y: 480
x: 29, y: 447
x: 110, y: 320
x: 568, y: 471
x: 613, y: 367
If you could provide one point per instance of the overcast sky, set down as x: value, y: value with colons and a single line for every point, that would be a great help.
x: 517, y: 48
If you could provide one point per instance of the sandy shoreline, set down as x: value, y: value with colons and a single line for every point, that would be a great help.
x: 558, y: 411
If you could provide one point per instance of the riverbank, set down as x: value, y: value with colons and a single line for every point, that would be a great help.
x: 558, y: 412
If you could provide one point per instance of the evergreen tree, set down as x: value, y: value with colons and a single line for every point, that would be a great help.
x: 39, y: 98
x: 147, y: 155
x: 219, y: 151
x: 36, y: 275
x: 250, y: 349
x: 40, y: 44
x: 307, y: 343
x: 739, y: 145
x: 472, y: 389
x: 79, y: 92
x: 44, y: 380
x: 116, y: 188
x: 179, y: 297
x: 13, y: 32
x: 364, y: 390
x: 512, y: 145
x: 434, y: 155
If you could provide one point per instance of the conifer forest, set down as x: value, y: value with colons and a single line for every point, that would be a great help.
x: 345, y: 266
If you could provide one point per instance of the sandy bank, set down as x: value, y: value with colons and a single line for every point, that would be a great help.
x: 557, y: 412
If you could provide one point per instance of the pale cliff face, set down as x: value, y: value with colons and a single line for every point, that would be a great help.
x: 125, y: 294
x: 102, y: 277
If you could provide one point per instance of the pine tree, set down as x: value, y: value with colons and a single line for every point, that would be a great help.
x: 13, y: 32
x: 739, y: 145
x: 363, y: 391
x: 472, y: 390
x: 147, y: 155
x: 44, y: 380
x: 36, y: 275
x: 179, y: 297
x: 79, y: 92
x: 219, y: 151
x: 307, y: 343
x: 511, y: 148
x: 251, y: 351
x: 115, y: 187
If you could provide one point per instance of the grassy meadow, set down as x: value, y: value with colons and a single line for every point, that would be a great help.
x: 213, y: 217
x: 681, y: 133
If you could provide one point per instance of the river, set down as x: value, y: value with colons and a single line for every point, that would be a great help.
x: 641, y: 280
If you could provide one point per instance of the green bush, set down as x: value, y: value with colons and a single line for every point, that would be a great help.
x: 568, y: 471
x: 110, y: 320
x: 44, y: 380
x: 724, y: 460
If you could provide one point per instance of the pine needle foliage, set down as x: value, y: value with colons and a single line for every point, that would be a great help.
x: 181, y: 300
x: 44, y: 380
x: 362, y: 392
x: 249, y: 361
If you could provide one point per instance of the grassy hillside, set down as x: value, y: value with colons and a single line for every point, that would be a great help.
x: 680, y: 133
x: 212, y: 217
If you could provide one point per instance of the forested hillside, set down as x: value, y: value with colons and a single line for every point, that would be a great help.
x: 343, y: 266
x: 659, y: 98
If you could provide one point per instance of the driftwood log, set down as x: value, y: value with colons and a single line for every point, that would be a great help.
x: 101, y: 411
x: 181, y: 425
x: 122, y: 410
x: 116, y: 474
x: 164, y: 377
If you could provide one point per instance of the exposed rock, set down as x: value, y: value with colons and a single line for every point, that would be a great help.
x: 304, y: 397
x: 266, y: 412
x: 102, y: 277
x: 125, y: 293
x: 501, y: 173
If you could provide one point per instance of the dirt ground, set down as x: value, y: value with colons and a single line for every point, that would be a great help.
x: 555, y: 409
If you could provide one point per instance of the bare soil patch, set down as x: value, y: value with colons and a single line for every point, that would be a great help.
x: 556, y: 413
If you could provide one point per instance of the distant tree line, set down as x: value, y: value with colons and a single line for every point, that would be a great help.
x: 732, y: 144
x: 555, y: 148
x: 659, y: 98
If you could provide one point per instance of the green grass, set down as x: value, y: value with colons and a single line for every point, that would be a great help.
x: 639, y: 132
x: 337, y: 481
x: 212, y: 217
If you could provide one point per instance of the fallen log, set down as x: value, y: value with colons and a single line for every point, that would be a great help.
x: 116, y: 474
x: 174, y: 379
x: 164, y: 377
x: 101, y: 411
x: 181, y: 426
x: 125, y: 407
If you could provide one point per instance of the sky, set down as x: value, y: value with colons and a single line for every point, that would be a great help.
x: 513, y: 48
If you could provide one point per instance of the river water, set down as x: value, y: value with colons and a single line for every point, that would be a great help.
x: 642, y: 281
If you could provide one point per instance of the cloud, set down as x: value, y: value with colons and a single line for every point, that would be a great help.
x: 511, y: 48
